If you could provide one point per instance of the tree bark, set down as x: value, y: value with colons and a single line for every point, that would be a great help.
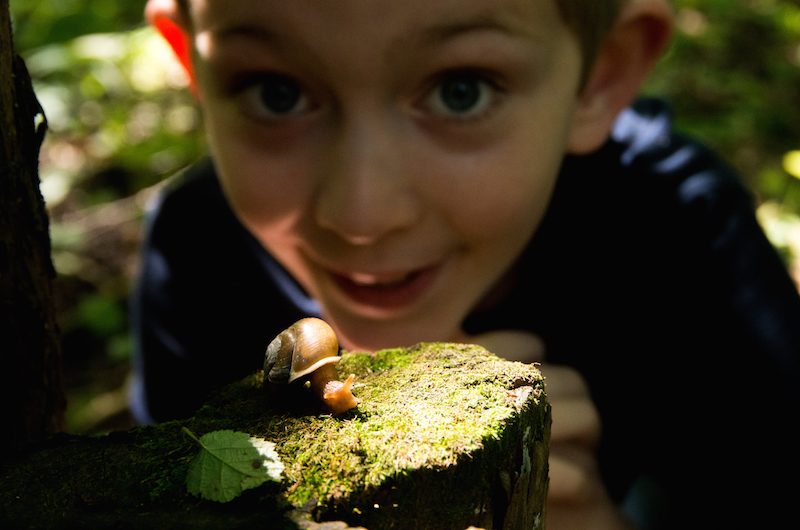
x: 32, y: 397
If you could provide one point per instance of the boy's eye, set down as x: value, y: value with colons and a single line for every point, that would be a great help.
x: 462, y: 95
x: 274, y: 96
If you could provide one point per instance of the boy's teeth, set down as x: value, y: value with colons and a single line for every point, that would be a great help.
x: 368, y: 280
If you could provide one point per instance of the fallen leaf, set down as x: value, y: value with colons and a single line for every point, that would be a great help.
x: 230, y: 462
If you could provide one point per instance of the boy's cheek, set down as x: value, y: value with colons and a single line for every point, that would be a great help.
x: 265, y: 198
x: 262, y: 189
x: 504, y: 189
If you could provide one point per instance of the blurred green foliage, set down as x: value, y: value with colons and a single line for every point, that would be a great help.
x: 39, y: 23
x: 121, y: 120
x: 733, y: 77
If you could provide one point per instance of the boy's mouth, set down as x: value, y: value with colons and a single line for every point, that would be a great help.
x: 385, y: 291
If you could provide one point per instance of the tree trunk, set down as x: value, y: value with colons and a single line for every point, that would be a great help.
x: 32, y: 394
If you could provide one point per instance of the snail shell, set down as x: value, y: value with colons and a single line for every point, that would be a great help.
x: 309, y: 347
x: 302, y: 348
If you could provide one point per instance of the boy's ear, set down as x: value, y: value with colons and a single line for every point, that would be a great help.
x: 635, y: 43
x: 167, y: 18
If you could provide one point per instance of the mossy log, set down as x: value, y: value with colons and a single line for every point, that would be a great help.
x: 445, y: 436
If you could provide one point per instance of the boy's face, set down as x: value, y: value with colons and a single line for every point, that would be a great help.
x: 395, y: 157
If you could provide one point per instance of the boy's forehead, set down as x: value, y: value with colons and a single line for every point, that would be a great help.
x: 423, y: 17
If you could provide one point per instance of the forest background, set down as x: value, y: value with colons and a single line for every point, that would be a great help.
x: 121, y: 121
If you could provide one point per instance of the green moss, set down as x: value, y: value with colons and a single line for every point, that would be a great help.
x: 421, y: 407
x: 437, y: 427
x: 364, y: 364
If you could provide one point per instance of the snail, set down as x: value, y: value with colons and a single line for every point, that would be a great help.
x: 308, y: 350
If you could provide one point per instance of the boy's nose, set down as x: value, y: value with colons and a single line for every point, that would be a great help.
x: 364, y: 191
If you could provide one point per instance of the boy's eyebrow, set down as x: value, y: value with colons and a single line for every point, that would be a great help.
x: 252, y: 31
x: 427, y: 36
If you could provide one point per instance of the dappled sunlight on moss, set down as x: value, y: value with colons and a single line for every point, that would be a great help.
x: 431, y: 404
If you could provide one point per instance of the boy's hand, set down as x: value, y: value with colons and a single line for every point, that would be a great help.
x: 512, y: 345
x: 577, y: 498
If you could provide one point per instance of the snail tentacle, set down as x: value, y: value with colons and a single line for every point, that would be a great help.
x: 338, y: 396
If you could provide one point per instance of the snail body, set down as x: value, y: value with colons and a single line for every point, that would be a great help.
x: 308, y: 350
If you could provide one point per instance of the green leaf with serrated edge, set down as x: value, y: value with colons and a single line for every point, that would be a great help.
x: 230, y: 462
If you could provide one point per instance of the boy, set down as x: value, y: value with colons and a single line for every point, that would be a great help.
x: 468, y: 171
